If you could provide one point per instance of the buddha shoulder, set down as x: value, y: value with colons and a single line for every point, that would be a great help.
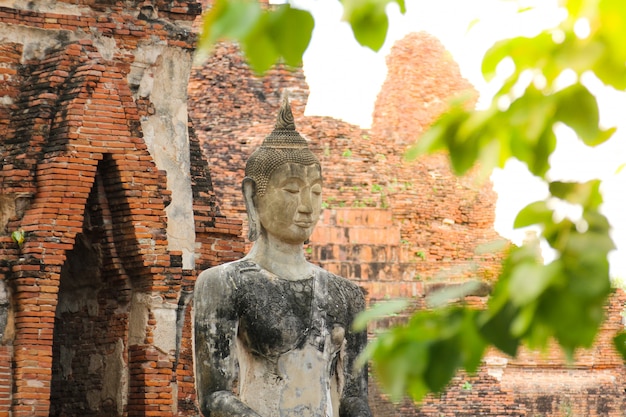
x: 225, y: 275
x: 350, y: 293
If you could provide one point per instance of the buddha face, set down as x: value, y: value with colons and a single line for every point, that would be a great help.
x: 291, y: 205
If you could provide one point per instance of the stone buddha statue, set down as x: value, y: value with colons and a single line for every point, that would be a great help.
x: 273, y: 332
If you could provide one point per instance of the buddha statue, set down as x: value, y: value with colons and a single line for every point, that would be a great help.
x: 273, y: 332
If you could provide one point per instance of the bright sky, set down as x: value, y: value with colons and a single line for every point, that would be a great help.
x: 344, y: 80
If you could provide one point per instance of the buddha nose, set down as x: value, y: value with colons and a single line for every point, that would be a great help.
x: 306, y: 205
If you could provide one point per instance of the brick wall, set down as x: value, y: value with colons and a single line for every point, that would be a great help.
x: 95, y: 313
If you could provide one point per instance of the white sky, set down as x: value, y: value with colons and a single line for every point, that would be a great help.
x: 344, y: 80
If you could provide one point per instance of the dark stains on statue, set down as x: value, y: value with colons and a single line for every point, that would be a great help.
x: 277, y: 315
x: 222, y: 347
x: 288, y: 303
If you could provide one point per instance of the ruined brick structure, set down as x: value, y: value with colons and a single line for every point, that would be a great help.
x: 102, y: 175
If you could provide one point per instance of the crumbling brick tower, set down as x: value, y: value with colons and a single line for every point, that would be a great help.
x: 111, y: 208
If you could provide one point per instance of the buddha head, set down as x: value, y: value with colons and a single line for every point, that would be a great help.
x: 283, y: 184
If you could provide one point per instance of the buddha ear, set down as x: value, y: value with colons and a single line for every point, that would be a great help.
x: 249, y: 191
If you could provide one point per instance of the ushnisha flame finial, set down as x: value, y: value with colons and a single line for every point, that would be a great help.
x: 283, y: 145
x: 285, y: 120
x: 284, y: 135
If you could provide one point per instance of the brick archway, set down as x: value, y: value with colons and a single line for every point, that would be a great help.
x: 95, y: 188
x: 101, y: 309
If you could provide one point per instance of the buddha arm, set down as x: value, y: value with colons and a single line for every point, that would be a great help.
x: 354, y: 399
x: 215, y: 331
x: 225, y: 404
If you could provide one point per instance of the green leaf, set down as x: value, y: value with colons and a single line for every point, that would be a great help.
x: 574, y: 7
x: 586, y: 263
x: 524, y: 320
x: 607, y: 69
x: 497, y: 329
x: 611, y: 31
x: 534, y: 213
x: 527, y: 129
x: 546, y: 144
x: 423, y: 355
x: 586, y: 194
x: 463, y: 152
x: 538, y: 335
x: 472, y: 343
x: 18, y: 237
x: 493, y: 57
x: 531, y: 114
x: 417, y: 389
x: 432, y: 140
x: 398, y: 360
x: 291, y: 31
x: 445, y: 359
x: 265, y: 35
x: 227, y: 19
x: 619, y: 342
x: 415, y: 356
x: 401, y: 4
x: 378, y: 311
x: 259, y: 46
x: 578, y: 109
x: 369, y: 21
x: 529, y: 280
x: 525, y: 52
x: 573, y: 320
x: 471, y: 24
